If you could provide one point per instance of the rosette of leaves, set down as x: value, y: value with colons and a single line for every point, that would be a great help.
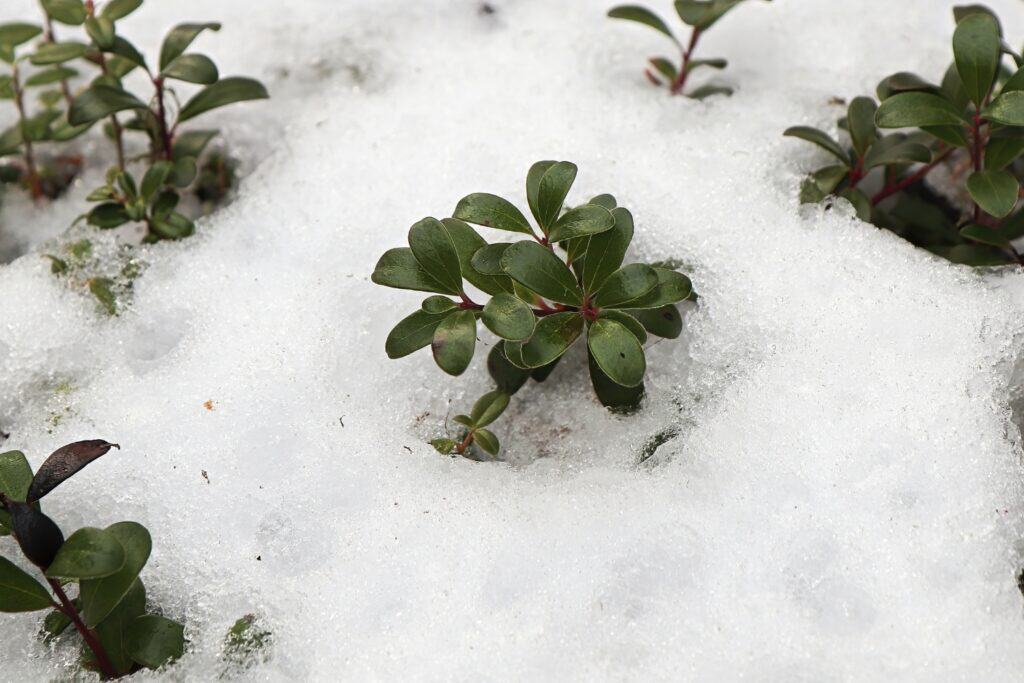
x: 541, y: 301
x: 153, y: 201
x: 109, y: 611
x: 673, y: 72
x: 972, y: 120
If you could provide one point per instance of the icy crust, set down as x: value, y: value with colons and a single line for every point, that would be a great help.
x: 842, y: 496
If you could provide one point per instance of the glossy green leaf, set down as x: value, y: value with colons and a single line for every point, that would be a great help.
x: 434, y: 249
x: 953, y: 89
x: 627, y: 321
x: 903, y: 81
x: 917, y: 109
x: 976, y: 52
x: 554, y: 335
x: 222, y: 93
x: 444, y: 446
x: 618, y: 398
x: 108, y: 215
x: 191, y: 143
x: 995, y: 192
x: 128, y: 54
x: 15, y: 475
x: 665, y: 322
x: 19, y: 592
x: 487, y: 259
x: 56, y: 53
x: 54, y: 75
x: 119, y: 9
x: 538, y: 269
x: 454, y: 342
x: 508, y: 317
x: 70, y: 12
x: 984, y: 235
x: 822, y: 183
x: 114, y: 631
x: 1004, y: 148
x: 399, y: 268
x: 582, y: 221
x: 413, y: 333
x: 703, y: 14
x: 485, y: 439
x: 643, y: 16
x: 606, y: 250
x: 893, y: 150
x: 152, y: 640
x: 1015, y: 82
x: 551, y: 193
x: 665, y: 67
x: 605, y: 200
x: 88, y: 553
x: 860, y: 118
x: 467, y: 243
x: 671, y: 288
x: 101, y: 30
x: 626, y: 284
x: 14, y: 34
x: 192, y: 68
x: 438, y: 304
x: 533, y: 177
x: 156, y: 176
x: 173, y: 226
x: 819, y: 138
x: 100, y: 596
x: 179, y: 38
x: 101, y: 101
x: 489, y: 408
x: 860, y: 201
x: 1007, y: 109
x: 706, y: 91
x: 491, y: 211
x: 508, y: 378
x: 617, y: 352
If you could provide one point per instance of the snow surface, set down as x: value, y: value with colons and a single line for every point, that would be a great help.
x: 842, y: 499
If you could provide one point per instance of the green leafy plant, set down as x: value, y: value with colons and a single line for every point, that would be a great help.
x: 541, y: 301
x: 972, y: 123
x: 109, y: 612
x: 699, y: 15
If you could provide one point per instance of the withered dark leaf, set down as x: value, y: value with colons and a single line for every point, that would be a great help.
x: 63, y: 463
x: 39, y: 536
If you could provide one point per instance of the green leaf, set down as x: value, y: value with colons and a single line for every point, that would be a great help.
x: 706, y: 91
x: 617, y: 352
x: 412, y: 333
x: 606, y: 250
x: 444, y: 446
x: 179, y: 38
x: 48, y: 76
x: 15, y: 475
x: 662, y: 322
x: 56, y: 622
x: 976, y: 51
x: 822, y: 183
x: 192, y: 143
x: 438, y: 304
x: 101, y: 101
x: 173, y: 226
x: 464, y: 420
x: 1012, y: 228
x: 626, y: 284
x: 703, y: 13
x: 533, y: 177
x: 904, y: 81
x: 56, y: 53
x: 954, y: 135
x: 860, y: 201
x: 508, y: 317
x: 114, y: 631
x: 487, y: 259
x: 1007, y: 109
x: 819, y: 138
x: 128, y: 54
x: 156, y: 176
x: 193, y: 68
x: 961, y: 12
x: 552, y: 191
x: 618, y: 398
x: 953, y: 89
x: 491, y: 211
x: 435, y: 251
x: 710, y: 63
x: 454, y: 342
x: 399, y: 268
x: 485, y: 439
x: 627, y: 321
x: 468, y: 243
x: 917, y: 109
x: 89, y: 553
x: 100, y: 596
x: 672, y: 287
x: 108, y: 215
x: 152, y: 640
x: 643, y: 16
x: 995, y: 192
x: 224, y: 92
x: 70, y: 12
x: 19, y: 592
x: 984, y: 235
x: 605, y: 200
x: 15, y: 33
x: 978, y: 255
x: 894, y: 150
x: 184, y: 172
x: 582, y: 221
x: 119, y: 9
x: 507, y: 376
x: 665, y: 67
x: 1003, y: 148
x: 555, y: 333
x: 860, y: 118
x: 101, y: 30
x: 1015, y: 82
x: 489, y: 408
x: 538, y: 269
x: 65, y: 462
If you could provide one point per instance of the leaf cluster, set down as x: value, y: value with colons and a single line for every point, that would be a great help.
x: 542, y: 300
x: 104, y: 563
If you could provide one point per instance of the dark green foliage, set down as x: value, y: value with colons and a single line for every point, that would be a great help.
x: 118, y: 637
x: 699, y: 15
x: 973, y: 122
x: 543, y: 299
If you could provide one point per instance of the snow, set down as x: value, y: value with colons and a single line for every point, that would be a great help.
x: 842, y: 497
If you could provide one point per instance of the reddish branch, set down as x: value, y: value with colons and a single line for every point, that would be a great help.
x: 892, y: 188
x: 30, y: 161
x: 684, y: 71
x: 71, y: 613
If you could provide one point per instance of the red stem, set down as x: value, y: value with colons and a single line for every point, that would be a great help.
x: 165, y: 132
x: 461, y: 448
x: 684, y: 71
x: 30, y: 160
x: 90, y: 638
x: 892, y: 189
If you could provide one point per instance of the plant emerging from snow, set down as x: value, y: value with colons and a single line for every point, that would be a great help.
x: 972, y: 123
x: 109, y: 612
x: 699, y: 15
x: 541, y: 301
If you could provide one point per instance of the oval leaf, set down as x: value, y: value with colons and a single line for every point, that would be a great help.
x: 860, y: 118
x: 554, y: 335
x: 665, y: 322
x: 533, y: 177
x: 614, y: 396
x: 491, y: 211
x: 65, y: 462
x: 626, y: 284
x: 617, y: 351
x: 551, y: 192
x: 19, y: 592
x: 589, y: 219
x: 55, y: 53
x: 224, y: 92
x: 39, y: 537
x: 399, y: 268
x: 435, y: 252
x: 99, y: 597
x: 917, y: 109
x: 538, y: 269
x: 485, y: 439
x: 413, y: 333
x: 641, y: 15
x: 508, y: 317
x: 179, y: 38
x: 976, y: 53
x: 995, y: 192
x: 672, y: 288
x: 193, y: 68
x: 819, y: 138
x: 101, y: 101
x: 1007, y: 109
x: 88, y: 553
x: 606, y: 250
x: 985, y: 235
x: 454, y: 342
x: 489, y: 408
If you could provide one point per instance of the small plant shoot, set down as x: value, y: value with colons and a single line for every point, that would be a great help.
x: 972, y: 123
x: 540, y: 300
x: 109, y: 614
x: 672, y: 73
